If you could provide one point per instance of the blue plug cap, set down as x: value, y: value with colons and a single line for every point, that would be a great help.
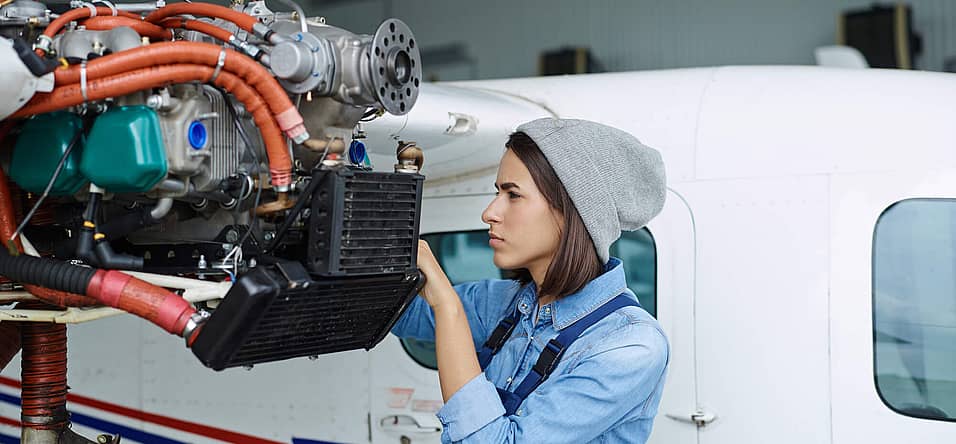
x: 357, y: 152
x: 197, y: 135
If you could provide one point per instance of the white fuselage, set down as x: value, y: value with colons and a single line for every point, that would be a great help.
x: 777, y: 177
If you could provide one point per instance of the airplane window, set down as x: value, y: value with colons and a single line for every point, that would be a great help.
x: 465, y: 256
x: 914, y: 308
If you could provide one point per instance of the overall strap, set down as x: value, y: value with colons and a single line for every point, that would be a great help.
x: 497, y: 339
x: 552, y: 352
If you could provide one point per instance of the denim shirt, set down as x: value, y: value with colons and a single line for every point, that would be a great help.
x: 606, y: 388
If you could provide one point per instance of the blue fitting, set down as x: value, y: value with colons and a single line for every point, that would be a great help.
x: 197, y: 135
x: 357, y: 152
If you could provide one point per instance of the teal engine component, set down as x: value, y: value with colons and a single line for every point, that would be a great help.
x: 42, y: 142
x: 124, y: 151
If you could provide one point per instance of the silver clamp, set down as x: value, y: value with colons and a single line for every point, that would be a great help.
x: 195, y: 321
x: 219, y: 64
x: 109, y: 4
x: 88, y: 5
x: 83, y: 82
x: 43, y: 43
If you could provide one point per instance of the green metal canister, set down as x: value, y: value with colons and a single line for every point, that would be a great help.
x: 43, y: 141
x: 124, y: 151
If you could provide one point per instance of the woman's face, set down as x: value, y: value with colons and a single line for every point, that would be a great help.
x: 524, y: 229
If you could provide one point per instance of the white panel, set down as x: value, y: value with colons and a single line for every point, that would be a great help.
x: 659, y: 108
x: 761, y: 309
x: 768, y: 121
x: 859, y: 415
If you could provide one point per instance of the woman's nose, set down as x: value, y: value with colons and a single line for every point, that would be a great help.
x: 491, y: 213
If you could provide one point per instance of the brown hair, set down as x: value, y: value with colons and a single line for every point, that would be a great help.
x: 575, y: 262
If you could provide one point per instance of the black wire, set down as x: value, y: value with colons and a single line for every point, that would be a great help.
x: 49, y: 185
x: 255, y: 157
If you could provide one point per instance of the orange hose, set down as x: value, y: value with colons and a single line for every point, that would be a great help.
x: 280, y: 163
x: 286, y: 115
x: 244, y: 21
x: 198, y: 26
x: 79, y: 13
x: 102, y: 23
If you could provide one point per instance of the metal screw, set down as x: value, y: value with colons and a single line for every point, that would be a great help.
x: 104, y: 439
x: 232, y: 236
x: 202, y: 261
x: 268, y: 235
x: 313, y: 357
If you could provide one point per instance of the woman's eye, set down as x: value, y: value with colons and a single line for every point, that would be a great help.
x: 513, y: 195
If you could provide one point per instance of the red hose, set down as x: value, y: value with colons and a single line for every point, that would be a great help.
x: 198, y: 26
x: 102, y: 23
x: 244, y: 21
x: 79, y: 13
x: 280, y: 162
x: 286, y: 115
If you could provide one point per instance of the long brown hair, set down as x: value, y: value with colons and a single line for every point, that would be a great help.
x: 575, y: 262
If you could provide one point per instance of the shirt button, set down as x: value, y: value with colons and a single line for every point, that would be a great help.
x: 518, y: 412
x: 547, y: 309
x: 524, y: 306
x: 531, y: 337
x: 508, y: 380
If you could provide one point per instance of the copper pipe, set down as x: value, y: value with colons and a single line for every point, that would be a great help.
x: 286, y: 114
x: 146, y: 29
x: 280, y: 162
x: 43, y: 375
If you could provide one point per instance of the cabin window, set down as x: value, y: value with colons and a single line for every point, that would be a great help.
x: 465, y: 256
x: 914, y: 308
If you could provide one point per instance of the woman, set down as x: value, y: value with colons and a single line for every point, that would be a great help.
x: 566, y: 354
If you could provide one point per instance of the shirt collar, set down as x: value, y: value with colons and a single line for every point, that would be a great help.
x: 572, y: 307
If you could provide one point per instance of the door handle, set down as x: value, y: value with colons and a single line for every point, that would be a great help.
x: 699, y: 418
x: 406, y: 424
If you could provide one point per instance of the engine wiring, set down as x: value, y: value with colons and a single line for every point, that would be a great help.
x: 49, y: 186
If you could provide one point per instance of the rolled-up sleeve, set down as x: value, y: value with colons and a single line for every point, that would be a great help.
x: 576, y: 406
x: 472, y: 407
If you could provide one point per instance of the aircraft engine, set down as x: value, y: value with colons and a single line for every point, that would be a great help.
x: 152, y: 147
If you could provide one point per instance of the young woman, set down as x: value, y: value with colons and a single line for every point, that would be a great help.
x: 563, y: 354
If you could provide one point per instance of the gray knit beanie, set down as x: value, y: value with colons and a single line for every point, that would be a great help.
x: 616, y: 182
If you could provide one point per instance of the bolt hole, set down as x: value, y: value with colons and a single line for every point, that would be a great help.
x: 411, y: 42
x: 402, y: 106
x: 416, y: 82
x: 401, y: 38
x: 391, y: 26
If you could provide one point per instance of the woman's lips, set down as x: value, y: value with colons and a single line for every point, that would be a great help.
x: 494, y: 240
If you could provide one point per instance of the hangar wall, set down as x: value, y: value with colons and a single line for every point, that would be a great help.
x: 503, y: 37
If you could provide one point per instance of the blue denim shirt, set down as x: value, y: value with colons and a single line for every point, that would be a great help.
x: 606, y: 387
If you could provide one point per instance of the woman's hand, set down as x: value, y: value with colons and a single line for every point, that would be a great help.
x: 438, y: 289
x: 454, y: 349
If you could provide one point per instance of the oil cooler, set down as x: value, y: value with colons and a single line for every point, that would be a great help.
x: 358, y: 276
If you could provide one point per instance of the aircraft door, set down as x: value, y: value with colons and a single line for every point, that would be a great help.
x: 674, y: 244
x: 893, y: 307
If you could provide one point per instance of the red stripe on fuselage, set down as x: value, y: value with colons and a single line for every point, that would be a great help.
x: 165, y: 421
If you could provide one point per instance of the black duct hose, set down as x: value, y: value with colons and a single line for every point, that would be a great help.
x: 44, y: 272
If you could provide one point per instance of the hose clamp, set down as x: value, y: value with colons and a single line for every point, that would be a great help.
x: 43, y: 43
x: 91, y: 7
x: 195, y: 321
x: 109, y: 4
x: 83, y: 82
x: 219, y: 64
